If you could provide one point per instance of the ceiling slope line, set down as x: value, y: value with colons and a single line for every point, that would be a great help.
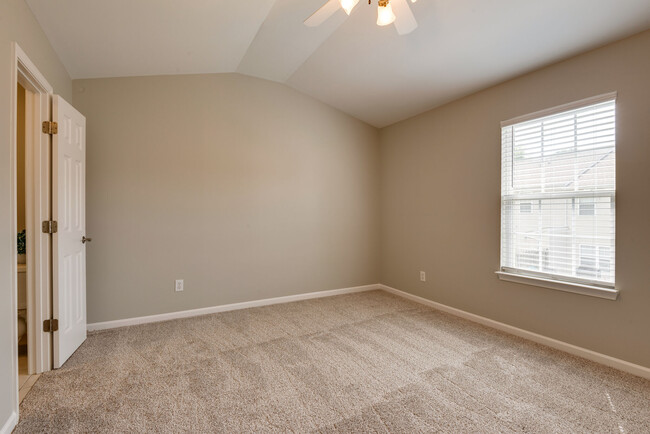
x: 269, y: 8
x: 284, y: 43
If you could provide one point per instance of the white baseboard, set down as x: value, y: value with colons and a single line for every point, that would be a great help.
x: 603, y: 359
x: 10, y: 424
x: 226, y: 307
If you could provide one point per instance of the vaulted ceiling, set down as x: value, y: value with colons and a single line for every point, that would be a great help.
x: 367, y: 71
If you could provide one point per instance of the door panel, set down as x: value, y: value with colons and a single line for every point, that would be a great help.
x: 69, y: 210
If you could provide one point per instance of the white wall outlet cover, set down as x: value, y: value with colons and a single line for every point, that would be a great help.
x: 423, y: 276
x: 179, y: 285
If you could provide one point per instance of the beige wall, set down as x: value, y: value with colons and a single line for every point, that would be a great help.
x: 440, y: 203
x: 16, y: 24
x: 242, y: 187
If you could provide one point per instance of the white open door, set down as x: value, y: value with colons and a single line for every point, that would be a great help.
x: 69, y: 211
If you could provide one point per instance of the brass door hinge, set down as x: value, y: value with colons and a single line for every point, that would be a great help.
x: 50, y: 127
x: 50, y: 325
x: 50, y: 227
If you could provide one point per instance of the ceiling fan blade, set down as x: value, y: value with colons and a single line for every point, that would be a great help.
x: 404, y: 20
x: 326, y: 11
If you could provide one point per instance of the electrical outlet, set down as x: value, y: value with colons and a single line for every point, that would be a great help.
x: 423, y: 276
x: 179, y: 285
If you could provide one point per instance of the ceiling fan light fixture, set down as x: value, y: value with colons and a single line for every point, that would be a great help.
x: 402, y: 16
x: 348, y: 5
x: 385, y: 15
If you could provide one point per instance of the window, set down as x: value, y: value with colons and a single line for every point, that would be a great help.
x: 558, y: 194
x: 594, y: 262
x: 587, y: 261
x: 587, y: 206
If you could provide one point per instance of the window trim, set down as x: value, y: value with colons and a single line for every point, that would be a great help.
x: 561, y: 283
x: 561, y: 108
x: 557, y: 277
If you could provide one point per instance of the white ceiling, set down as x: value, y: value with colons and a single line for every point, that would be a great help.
x: 370, y: 72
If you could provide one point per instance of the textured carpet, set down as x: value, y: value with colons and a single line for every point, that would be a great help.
x: 367, y: 362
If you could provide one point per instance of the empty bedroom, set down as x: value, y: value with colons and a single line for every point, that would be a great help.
x: 386, y: 216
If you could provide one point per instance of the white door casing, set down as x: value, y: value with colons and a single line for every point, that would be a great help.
x: 69, y: 211
x: 38, y: 178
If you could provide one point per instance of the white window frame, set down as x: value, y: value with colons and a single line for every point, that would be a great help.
x: 561, y: 283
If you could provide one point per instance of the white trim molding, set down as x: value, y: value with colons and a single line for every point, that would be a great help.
x: 10, y: 423
x: 227, y: 307
x: 603, y: 359
x: 561, y: 108
x: 37, y: 204
x: 37, y: 109
x: 37, y: 209
x: 577, y: 288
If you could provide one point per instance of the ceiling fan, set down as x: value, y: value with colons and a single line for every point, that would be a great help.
x: 388, y: 12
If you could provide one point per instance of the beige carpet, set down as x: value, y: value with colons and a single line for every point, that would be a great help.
x: 367, y: 362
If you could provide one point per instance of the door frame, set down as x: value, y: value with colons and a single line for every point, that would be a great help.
x: 38, y: 208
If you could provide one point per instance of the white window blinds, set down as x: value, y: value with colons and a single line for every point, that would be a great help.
x: 558, y: 194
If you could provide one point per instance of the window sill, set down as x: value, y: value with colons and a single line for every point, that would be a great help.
x: 593, y: 291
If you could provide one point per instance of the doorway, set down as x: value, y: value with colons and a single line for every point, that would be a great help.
x: 30, y: 178
x: 27, y: 375
x: 47, y: 180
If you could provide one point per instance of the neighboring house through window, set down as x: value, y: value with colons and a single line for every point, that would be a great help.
x: 587, y: 206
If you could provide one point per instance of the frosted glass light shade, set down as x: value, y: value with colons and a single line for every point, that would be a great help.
x: 385, y: 15
x: 348, y: 5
